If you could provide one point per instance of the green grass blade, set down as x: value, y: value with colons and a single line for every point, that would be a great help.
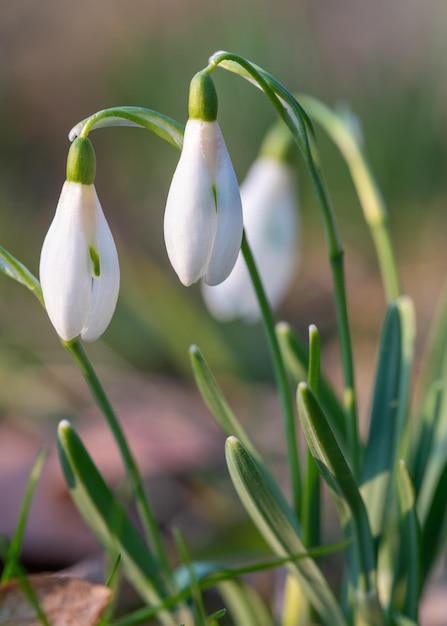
x: 425, y: 440
x: 244, y: 604
x: 296, y: 357
x: 433, y: 525
x: 274, y: 518
x: 368, y: 192
x: 354, y: 519
x: 411, y: 540
x: 12, y: 556
x: 10, y: 266
x: 107, y: 518
x: 403, y: 620
x: 389, y: 410
x: 216, y: 402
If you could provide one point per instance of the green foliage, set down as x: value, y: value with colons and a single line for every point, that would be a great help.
x: 389, y: 490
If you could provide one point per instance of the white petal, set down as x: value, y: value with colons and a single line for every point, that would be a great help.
x: 271, y: 223
x: 270, y: 220
x: 229, y: 217
x: 105, y: 288
x: 190, y: 217
x: 65, y: 265
x: 234, y: 297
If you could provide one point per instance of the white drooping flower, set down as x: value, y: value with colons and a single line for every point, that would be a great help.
x: 79, y: 269
x: 269, y: 202
x: 203, y: 217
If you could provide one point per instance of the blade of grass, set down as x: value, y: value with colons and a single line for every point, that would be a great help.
x: 388, y: 413
x: 296, y: 357
x: 433, y: 526
x: 12, y: 555
x: 275, y: 520
x: 244, y: 604
x: 411, y: 540
x: 216, y: 402
x: 108, y: 520
x: 353, y: 516
x: 371, y: 200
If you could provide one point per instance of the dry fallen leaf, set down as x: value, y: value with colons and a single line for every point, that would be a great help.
x: 64, y: 601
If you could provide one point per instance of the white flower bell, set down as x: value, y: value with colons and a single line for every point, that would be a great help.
x: 79, y: 269
x: 269, y: 202
x: 203, y: 217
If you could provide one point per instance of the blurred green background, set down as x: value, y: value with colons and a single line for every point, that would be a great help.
x: 62, y: 61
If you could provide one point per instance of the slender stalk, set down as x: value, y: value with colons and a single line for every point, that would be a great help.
x: 147, y: 516
x: 301, y: 128
x: 280, y: 374
x: 336, y: 260
x: 370, y: 198
x: 311, y: 492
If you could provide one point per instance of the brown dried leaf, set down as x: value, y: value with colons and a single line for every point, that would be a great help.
x: 65, y: 601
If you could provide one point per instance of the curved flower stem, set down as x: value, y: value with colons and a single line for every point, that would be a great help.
x: 168, y: 129
x: 301, y: 128
x: 371, y: 201
x: 147, y: 517
x: 280, y: 374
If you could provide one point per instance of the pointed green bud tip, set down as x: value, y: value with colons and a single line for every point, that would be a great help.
x: 202, y: 98
x: 81, y: 162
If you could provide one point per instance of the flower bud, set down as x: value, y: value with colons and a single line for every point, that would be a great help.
x: 79, y: 269
x: 203, y: 217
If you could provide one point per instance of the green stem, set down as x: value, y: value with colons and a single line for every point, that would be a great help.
x: 371, y: 200
x: 311, y: 492
x: 147, y: 516
x: 280, y: 374
x: 300, y: 126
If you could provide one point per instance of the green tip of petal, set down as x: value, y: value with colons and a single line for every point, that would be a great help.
x: 202, y: 98
x: 81, y: 162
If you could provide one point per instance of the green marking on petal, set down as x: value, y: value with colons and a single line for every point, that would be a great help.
x: 95, y: 260
x: 215, y: 196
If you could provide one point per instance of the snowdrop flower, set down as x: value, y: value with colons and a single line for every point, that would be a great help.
x: 271, y: 222
x: 203, y: 217
x: 79, y: 270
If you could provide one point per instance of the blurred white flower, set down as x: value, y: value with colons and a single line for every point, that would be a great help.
x: 203, y: 217
x: 79, y: 270
x: 271, y: 222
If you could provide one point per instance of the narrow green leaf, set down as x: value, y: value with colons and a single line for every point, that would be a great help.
x: 310, y: 502
x: 430, y: 443
x: 373, y: 206
x: 276, y: 521
x: 433, y: 525
x: 216, y: 402
x: 411, y: 540
x: 296, y: 357
x: 430, y: 433
x: 17, y: 271
x: 167, y: 128
x: 353, y: 516
x: 107, y: 518
x: 200, y: 617
x: 389, y: 410
x: 12, y: 556
x: 425, y: 439
x: 435, y: 353
x: 244, y: 604
x: 403, y: 620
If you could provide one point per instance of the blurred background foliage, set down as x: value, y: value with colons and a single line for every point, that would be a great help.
x: 62, y: 61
